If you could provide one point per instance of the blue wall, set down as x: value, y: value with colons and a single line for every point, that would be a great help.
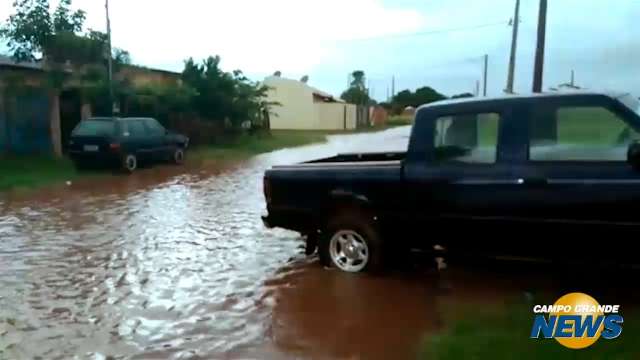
x: 24, y: 124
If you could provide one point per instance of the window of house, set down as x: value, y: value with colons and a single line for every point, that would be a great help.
x: 468, y: 138
x: 579, y: 134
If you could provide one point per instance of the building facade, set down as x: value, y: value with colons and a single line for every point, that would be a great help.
x: 302, y: 107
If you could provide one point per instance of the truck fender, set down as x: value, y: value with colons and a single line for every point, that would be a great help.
x: 339, y: 198
x: 349, y: 196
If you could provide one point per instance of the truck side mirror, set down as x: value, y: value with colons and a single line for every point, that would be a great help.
x: 633, y: 155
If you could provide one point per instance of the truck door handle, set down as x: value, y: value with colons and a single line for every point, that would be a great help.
x: 533, y: 181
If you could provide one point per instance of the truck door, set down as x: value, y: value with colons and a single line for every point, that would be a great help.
x: 578, y: 185
x: 459, y: 182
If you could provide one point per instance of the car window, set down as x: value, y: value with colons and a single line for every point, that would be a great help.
x: 469, y: 138
x: 580, y: 134
x: 136, y: 128
x: 123, y: 128
x: 154, y: 127
x: 94, y: 128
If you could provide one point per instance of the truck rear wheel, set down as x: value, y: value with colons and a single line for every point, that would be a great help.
x: 352, y: 243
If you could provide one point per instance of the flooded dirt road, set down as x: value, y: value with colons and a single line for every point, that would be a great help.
x: 168, y: 264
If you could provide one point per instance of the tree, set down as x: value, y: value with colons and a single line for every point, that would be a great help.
x: 423, y: 95
x: 31, y: 31
x: 359, y: 80
x: 224, y: 96
x: 357, y: 93
x: 34, y: 33
x: 64, y: 21
x: 463, y: 95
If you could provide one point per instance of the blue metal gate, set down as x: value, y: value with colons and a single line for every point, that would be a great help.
x: 24, y: 124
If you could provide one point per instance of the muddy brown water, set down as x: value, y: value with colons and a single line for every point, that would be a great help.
x: 175, y: 263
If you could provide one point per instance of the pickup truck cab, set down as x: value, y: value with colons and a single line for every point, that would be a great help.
x: 549, y: 175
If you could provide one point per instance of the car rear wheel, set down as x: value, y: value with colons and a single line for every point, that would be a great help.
x: 178, y: 156
x: 129, y: 163
x: 352, y: 243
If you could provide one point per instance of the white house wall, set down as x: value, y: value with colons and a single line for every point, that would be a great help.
x: 298, y: 111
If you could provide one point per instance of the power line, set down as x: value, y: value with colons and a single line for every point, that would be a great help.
x: 429, y: 32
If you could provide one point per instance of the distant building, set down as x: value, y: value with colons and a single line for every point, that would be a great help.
x: 303, y: 107
x: 141, y: 76
x: 378, y: 116
x: 409, y: 111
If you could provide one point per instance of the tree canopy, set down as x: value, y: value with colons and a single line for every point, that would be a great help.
x: 420, y: 96
x: 221, y: 95
x: 357, y: 93
x: 33, y: 31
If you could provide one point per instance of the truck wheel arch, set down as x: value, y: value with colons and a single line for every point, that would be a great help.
x: 347, y: 200
x: 356, y: 212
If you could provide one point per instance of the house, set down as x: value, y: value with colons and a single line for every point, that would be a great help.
x: 140, y: 76
x: 35, y: 119
x: 27, y: 110
x: 303, y: 107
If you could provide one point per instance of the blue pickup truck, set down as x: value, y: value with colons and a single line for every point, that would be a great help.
x: 551, y: 175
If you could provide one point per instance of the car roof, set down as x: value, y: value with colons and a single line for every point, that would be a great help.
x: 103, y: 118
x: 114, y: 118
x: 520, y: 97
x: 136, y: 118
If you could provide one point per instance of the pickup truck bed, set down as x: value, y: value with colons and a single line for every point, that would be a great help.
x: 361, y: 157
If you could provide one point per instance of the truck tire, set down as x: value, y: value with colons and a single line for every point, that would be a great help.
x: 352, y: 243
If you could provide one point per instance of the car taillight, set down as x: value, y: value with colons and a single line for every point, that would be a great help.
x: 267, y: 189
x: 114, y: 146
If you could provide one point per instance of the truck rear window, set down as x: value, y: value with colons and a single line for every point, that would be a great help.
x: 469, y: 138
x: 95, y: 128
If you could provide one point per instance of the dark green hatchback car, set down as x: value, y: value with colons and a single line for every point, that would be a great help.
x: 124, y: 143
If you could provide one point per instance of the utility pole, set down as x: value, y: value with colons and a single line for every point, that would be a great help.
x: 514, y: 46
x: 573, y: 78
x: 538, y: 70
x: 393, y: 87
x: 477, y: 92
x: 109, y: 60
x: 486, y: 70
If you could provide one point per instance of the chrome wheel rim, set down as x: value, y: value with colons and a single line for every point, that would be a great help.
x: 178, y: 156
x: 348, y: 251
x: 130, y: 162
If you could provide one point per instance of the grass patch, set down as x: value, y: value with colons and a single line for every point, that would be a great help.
x: 34, y: 171
x: 503, y: 333
x: 399, y: 120
x: 28, y: 172
x: 245, y: 146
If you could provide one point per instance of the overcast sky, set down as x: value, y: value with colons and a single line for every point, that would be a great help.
x: 326, y: 40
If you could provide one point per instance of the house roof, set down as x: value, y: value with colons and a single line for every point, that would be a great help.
x: 314, y: 91
x: 8, y: 61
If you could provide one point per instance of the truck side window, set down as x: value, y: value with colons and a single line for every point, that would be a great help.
x: 586, y: 133
x: 469, y: 138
